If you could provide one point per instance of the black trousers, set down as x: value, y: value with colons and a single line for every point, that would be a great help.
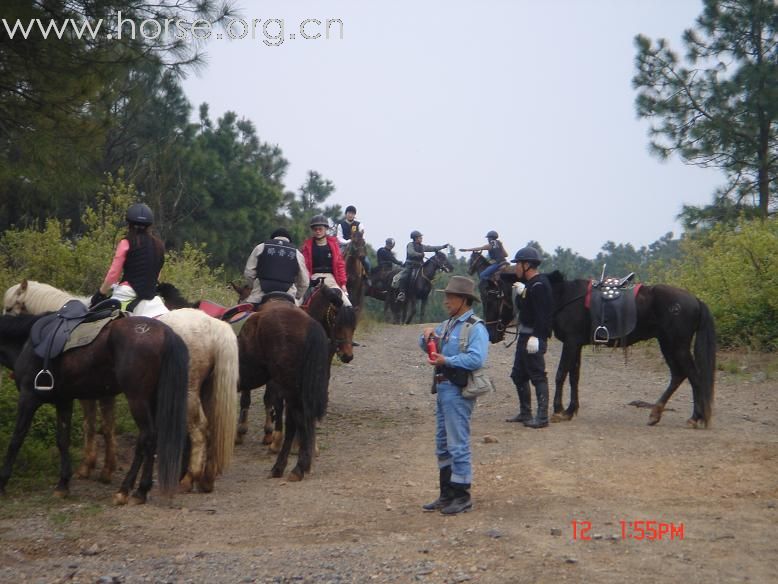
x: 528, y: 367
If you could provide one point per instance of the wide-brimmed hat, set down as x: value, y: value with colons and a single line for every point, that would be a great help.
x: 461, y: 285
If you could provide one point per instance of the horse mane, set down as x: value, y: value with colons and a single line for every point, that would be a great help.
x: 556, y: 277
x: 18, y: 327
x: 171, y: 294
x: 346, y: 317
x: 41, y: 297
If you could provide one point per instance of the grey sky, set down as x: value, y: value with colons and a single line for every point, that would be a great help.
x: 458, y: 117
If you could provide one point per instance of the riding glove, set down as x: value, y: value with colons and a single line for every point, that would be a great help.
x: 533, y: 345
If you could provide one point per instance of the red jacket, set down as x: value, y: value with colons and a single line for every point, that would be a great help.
x: 338, y: 265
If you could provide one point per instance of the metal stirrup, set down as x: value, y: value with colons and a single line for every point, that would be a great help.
x: 40, y: 386
x: 600, y: 339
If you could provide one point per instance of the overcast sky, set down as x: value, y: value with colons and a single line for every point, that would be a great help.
x: 457, y: 117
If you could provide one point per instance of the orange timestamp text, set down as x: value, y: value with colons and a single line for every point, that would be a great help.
x: 638, y: 530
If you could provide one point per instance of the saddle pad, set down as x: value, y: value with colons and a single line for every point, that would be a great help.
x: 618, y: 314
x: 212, y: 309
x: 86, y: 332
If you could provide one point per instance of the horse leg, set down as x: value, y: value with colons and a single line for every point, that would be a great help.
x: 197, y: 427
x: 64, y: 421
x: 575, y: 376
x: 144, y: 443
x: 28, y: 405
x: 283, y: 456
x: 421, y: 310
x: 121, y: 497
x: 306, y: 432
x: 89, y: 458
x: 559, y: 383
x: 267, y: 399
x: 677, y: 376
x: 277, y: 408
x: 140, y: 495
x: 108, y: 430
x: 243, y: 418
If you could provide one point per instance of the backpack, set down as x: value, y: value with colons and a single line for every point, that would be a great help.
x: 478, y: 382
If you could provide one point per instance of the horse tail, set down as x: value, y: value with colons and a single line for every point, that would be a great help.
x: 171, y: 410
x: 705, y: 360
x: 314, y: 377
x: 221, y: 407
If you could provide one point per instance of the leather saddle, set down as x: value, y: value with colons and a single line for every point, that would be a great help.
x: 613, y: 310
x: 50, y: 333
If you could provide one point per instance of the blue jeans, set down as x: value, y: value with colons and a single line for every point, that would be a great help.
x: 487, y: 273
x: 452, y: 432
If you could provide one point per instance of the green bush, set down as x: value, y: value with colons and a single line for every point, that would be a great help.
x: 735, y: 272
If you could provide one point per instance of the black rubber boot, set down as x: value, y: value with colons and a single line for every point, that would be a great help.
x: 525, y: 404
x: 541, y: 419
x: 461, y: 502
x: 446, y: 492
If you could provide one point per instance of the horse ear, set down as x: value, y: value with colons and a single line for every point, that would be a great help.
x: 23, y: 285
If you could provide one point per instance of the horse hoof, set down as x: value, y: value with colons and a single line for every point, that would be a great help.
x: 205, y: 485
x: 60, y: 493
x: 295, y: 476
x: 267, y: 438
x: 692, y: 423
x: 105, y: 477
x: 83, y: 472
x: 137, y: 499
x: 120, y: 499
x: 239, y: 439
x: 276, y: 473
x: 185, y: 486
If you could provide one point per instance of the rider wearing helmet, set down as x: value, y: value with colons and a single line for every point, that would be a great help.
x: 534, y: 304
x: 345, y: 229
x: 323, y: 258
x: 386, y: 257
x: 497, y: 255
x: 414, y: 258
x: 276, y: 265
x: 134, y: 273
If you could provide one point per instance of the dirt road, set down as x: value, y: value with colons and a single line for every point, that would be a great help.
x: 357, y: 518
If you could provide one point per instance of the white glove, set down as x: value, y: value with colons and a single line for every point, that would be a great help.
x: 517, y: 290
x: 533, y: 345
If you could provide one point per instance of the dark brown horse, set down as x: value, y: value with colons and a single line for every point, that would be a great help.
x: 495, y: 299
x: 282, y: 344
x: 139, y: 356
x: 354, y: 255
x: 418, y: 289
x: 325, y: 305
x: 671, y: 315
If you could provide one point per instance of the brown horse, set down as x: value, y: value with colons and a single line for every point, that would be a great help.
x: 355, y: 269
x: 213, y: 377
x: 139, y: 356
x: 283, y: 344
x: 418, y: 289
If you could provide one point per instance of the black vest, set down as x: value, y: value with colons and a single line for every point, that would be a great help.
x: 348, y: 228
x: 277, y: 266
x: 497, y: 252
x: 321, y: 258
x: 535, y: 307
x: 385, y: 257
x: 141, y: 268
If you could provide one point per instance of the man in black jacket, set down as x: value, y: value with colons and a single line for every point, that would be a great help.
x: 534, y: 303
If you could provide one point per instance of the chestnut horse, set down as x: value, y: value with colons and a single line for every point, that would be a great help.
x: 139, y: 356
x: 283, y: 344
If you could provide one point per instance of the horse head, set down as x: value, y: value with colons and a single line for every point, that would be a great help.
x: 242, y: 290
x: 476, y: 263
x: 13, y: 301
x: 339, y: 321
x: 356, y: 247
x: 440, y: 261
x: 498, y: 309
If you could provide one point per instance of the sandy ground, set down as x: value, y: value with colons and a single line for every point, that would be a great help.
x: 357, y: 518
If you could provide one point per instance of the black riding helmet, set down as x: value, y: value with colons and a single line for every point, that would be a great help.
x: 319, y: 220
x: 492, y: 235
x: 415, y: 234
x: 140, y: 214
x: 528, y: 254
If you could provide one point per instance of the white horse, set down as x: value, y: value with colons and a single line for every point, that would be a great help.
x: 213, y: 381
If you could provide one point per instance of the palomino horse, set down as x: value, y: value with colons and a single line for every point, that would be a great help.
x: 281, y: 343
x: 495, y: 299
x: 419, y: 289
x: 139, y: 356
x: 212, y: 403
x: 355, y: 270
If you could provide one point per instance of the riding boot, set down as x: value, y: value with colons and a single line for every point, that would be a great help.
x: 461, y: 502
x: 446, y: 493
x: 541, y: 419
x: 401, y: 296
x: 525, y: 404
